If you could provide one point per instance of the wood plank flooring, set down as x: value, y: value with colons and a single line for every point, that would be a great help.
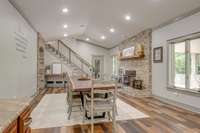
x: 55, y: 90
x: 164, y: 118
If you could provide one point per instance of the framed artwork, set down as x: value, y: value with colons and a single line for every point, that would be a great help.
x: 128, y: 52
x: 158, y: 55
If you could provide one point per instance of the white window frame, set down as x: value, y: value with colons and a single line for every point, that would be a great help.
x: 115, y: 66
x: 170, y: 61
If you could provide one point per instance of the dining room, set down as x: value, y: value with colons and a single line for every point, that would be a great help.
x: 125, y: 66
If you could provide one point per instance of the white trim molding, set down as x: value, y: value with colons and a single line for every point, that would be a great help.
x: 178, y: 104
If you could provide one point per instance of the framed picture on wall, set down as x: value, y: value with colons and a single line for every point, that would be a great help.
x: 158, y: 55
x: 128, y: 52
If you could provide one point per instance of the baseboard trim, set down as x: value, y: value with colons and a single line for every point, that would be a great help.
x: 180, y: 105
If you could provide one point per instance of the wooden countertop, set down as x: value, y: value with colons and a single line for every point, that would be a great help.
x: 10, y: 109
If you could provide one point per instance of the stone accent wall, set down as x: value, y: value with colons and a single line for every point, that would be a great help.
x: 40, y: 62
x: 142, y: 66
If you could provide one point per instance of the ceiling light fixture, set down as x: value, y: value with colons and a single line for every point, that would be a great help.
x: 65, y: 35
x: 87, y: 39
x: 128, y: 17
x: 65, y: 10
x: 103, y: 37
x: 112, y: 30
x: 65, y: 26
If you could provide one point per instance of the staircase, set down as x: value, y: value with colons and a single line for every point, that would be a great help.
x: 62, y: 52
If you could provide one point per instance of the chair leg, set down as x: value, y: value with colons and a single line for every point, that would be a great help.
x: 92, y: 127
x: 66, y: 101
x: 109, y: 116
x: 84, y: 102
x: 116, y: 111
x: 84, y: 117
x: 92, y: 122
x: 67, y: 97
x: 70, y: 108
x: 70, y: 112
x: 81, y: 109
x: 114, y: 119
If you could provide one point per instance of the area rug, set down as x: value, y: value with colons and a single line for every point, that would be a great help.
x: 52, y: 112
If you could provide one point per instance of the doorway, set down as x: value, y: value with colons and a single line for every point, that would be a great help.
x: 98, y: 64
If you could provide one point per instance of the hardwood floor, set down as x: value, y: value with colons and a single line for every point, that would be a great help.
x: 164, y: 118
x: 55, y: 91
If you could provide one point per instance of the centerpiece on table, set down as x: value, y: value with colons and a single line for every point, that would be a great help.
x: 84, y: 77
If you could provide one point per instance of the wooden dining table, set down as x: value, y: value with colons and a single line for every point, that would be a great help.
x: 86, y: 85
x: 83, y: 86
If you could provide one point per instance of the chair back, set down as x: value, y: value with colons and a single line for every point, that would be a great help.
x: 101, y: 92
x: 109, y: 94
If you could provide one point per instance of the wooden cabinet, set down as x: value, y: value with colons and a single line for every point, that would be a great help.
x: 21, y: 124
x: 24, y: 121
x: 12, y: 128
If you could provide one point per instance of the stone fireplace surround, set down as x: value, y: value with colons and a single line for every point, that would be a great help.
x: 142, y: 66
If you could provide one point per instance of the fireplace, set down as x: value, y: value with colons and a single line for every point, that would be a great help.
x: 127, y: 77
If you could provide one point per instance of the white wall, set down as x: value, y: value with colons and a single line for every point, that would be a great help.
x: 86, y: 51
x: 114, y: 51
x: 159, y: 70
x: 18, y: 70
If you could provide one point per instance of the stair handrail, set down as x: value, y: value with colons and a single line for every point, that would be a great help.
x: 76, y: 54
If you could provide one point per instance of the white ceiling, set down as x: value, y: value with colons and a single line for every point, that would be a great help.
x: 97, y: 16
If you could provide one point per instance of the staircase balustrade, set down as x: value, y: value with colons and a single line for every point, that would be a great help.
x: 69, y: 56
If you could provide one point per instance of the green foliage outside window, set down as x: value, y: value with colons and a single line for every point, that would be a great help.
x: 180, y: 63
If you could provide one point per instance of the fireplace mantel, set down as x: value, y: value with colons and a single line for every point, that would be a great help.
x: 132, y: 57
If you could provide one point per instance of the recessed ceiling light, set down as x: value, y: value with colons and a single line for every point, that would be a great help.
x: 112, y: 30
x: 103, y: 37
x: 65, y: 10
x: 128, y: 17
x: 87, y: 39
x: 65, y: 35
x: 65, y: 26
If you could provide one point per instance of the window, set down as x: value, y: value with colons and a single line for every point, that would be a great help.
x: 197, y: 63
x: 194, y: 76
x: 114, y: 65
x: 184, y: 64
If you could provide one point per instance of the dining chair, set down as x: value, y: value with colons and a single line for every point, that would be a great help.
x: 73, y: 99
x: 112, y: 77
x: 96, y: 102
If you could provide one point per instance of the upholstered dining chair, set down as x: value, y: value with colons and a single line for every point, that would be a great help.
x: 96, y: 102
x: 73, y: 99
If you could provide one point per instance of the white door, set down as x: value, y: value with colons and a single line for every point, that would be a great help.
x: 98, y: 64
